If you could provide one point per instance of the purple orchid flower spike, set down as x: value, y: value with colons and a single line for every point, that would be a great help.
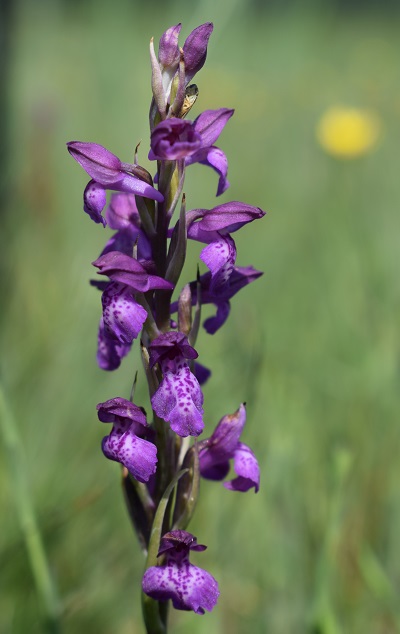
x: 179, y: 399
x: 126, y: 443
x: 224, y: 445
x: 108, y: 172
x: 141, y: 263
x: 188, y: 587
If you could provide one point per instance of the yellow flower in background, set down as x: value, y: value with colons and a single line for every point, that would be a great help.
x: 348, y: 132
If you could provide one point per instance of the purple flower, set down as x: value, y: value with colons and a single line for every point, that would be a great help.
x: 179, y: 399
x: 189, y: 587
x: 174, y: 139
x: 125, y: 443
x: 213, y: 226
x: 224, y: 445
x: 108, y: 172
x: 123, y: 317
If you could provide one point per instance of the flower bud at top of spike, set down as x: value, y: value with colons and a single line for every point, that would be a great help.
x: 195, y: 49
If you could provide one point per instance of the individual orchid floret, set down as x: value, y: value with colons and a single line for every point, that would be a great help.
x: 179, y: 399
x: 174, y: 139
x: 188, y: 587
x: 213, y: 226
x: 123, y: 317
x: 126, y: 443
x: 224, y: 445
x: 108, y: 172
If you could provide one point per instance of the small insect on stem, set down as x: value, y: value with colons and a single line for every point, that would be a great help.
x: 191, y: 94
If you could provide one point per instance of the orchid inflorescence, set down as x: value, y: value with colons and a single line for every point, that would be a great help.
x: 142, y: 262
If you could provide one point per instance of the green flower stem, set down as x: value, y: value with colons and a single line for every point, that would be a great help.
x: 27, y: 520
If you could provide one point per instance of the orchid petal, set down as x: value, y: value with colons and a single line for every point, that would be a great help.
x: 137, y: 455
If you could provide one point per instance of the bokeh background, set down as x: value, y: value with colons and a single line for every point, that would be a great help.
x: 312, y: 347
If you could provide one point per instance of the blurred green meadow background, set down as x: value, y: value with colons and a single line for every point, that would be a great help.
x: 312, y: 347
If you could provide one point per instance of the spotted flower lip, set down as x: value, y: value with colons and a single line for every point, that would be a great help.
x: 189, y: 587
x: 178, y: 399
x: 123, y: 316
x: 194, y: 49
x: 125, y: 443
x: 224, y: 445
